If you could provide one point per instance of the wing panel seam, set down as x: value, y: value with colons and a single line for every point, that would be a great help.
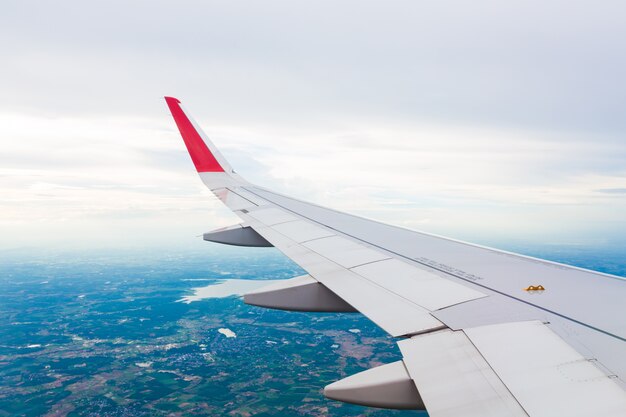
x: 452, y: 274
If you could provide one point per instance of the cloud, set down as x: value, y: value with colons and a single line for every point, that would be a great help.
x: 522, y: 63
x: 483, y: 118
x: 617, y: 191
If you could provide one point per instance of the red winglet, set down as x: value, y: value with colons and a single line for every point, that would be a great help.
x: 200, y: 154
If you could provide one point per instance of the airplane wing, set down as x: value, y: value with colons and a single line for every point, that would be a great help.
x: 482, y: 332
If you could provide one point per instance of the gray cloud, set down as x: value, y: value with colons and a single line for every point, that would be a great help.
x: 554, y: 65
x: 617, y: 191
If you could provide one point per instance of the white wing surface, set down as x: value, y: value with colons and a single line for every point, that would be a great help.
x: 482, y: 332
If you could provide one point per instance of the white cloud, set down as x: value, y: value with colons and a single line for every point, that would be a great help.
x: 474, y: 120
x: 117, y: 181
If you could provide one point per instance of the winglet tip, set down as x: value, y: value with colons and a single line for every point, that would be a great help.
x: 202, y: 157
x: 170, y: 99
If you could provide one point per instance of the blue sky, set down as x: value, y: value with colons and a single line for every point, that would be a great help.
x: 485, y: 121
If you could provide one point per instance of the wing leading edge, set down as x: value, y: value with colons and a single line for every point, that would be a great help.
x: 474, y: 343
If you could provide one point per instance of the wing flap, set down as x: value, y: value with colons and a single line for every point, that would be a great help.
x: 545, y: 374
x: 422, y: 287
x: 510, y: 369
x: 453, y: 379
x: 392, y: 313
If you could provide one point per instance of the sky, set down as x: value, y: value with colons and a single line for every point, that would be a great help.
x: 486, y: 121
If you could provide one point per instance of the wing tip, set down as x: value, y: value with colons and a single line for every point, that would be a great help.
x: 170, y: 100
x: 202, y: 157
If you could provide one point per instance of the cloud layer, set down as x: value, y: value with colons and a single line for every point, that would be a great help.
x: 483, y: 121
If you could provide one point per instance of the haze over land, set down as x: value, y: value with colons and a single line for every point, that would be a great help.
x: 104, y: 334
